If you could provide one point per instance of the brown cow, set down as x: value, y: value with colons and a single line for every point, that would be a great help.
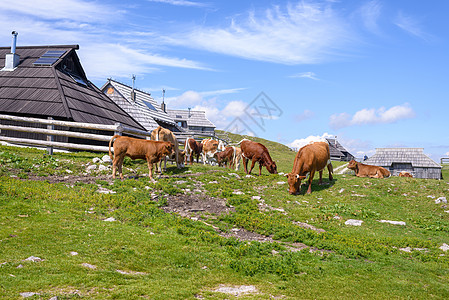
x: 405, y: 174
x: 163, y: 134
x: 210, y: 147
x: 192, y: 148
x: 362, y: 170
x: 309, y: 159
x: 226, y: 156
x: 151, y: 151
x: 257, y: 153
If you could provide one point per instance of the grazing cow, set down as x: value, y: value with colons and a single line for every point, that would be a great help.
x: 405, y: 174
x: 226, y: 156
x: 192, y: 148
x: 309, y: 159
x: 257, y: 153
x: 151, y: 151
x: 362, y: 170
x: 162, y: 134
x: 210, y: 147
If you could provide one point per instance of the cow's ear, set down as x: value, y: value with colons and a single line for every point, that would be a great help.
x: 286, y: 175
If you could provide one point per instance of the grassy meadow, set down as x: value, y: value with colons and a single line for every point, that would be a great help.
x: 55, y: 210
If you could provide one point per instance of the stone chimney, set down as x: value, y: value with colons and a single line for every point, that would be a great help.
x: 12, y: 59
x: 163, y: 106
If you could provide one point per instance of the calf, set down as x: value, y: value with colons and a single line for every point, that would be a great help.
x: 257, y: 153
x: 163, y: 134
x: 362, y: 170
x: 192, y: 148
x: 210, y: 147
x: 309, y: 159
x: 151, y: 151
x: 405, y: 174
x: 225, y: 156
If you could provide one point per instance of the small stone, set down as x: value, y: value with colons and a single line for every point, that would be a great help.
x: 89, y: 266
x: 249, y: 176
x: 444, y: 247
x: 281, y: 182
x: 96, y: 160
x: 106, y: 159
x: 91, y: 168
x: 110, y: 219
x: 441, y: 200
x: 213, y: 181
x: 256, y: 197
x: 102, y: 168
x: 341, y: 191
x: 28, y: 294
x: 353, y: 222
x: 33, y: 259
x: 393, y: 222
x: 73, y: 253
x: 69, y: 171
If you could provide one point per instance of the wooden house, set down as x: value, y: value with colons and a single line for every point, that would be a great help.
x: 193, y: 121
x: 140, y: 105
x: 337, y: 151
x: 412, y: 160
x: 48, y: 82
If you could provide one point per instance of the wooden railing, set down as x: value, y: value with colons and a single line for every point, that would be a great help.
x: 51, y: 132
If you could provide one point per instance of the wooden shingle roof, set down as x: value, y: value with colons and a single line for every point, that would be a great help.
x: 143, y: 107
x: 60, y: 90
x: 192, y: 117
x: 388, y: 156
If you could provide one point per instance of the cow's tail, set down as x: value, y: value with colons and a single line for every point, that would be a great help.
x: 110, y: 143
x: 242, y: 141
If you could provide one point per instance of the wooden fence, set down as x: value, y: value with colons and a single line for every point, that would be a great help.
x: 51, y: 132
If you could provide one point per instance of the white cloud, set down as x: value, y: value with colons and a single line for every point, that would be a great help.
x: 370, y: 13
x: 412, y: 26
x: 309, y: 75
x: 300, y: 33
x: 298, y: 143
x: 372, y: 116
x: 235, y: 109
x: 181, y: 3
x: 305, y: 115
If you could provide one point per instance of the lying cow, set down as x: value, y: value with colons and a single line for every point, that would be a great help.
x: 192, y: 148
x: 151, y: 151
x: 257, y: 153
x: 309, y: 159
x: 362, y: 170
x: 163, y: 134
x: 210, y: 148
x: 405, y: 174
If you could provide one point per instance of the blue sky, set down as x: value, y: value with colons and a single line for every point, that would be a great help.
x: 372, y: 73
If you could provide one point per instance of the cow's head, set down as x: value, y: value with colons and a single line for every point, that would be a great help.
x: 352, y: 165
x: 294, y: 183
x: 168, y: 149
x: 271, y: 167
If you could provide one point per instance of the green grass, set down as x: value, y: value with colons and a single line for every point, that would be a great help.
x: 179, y: 258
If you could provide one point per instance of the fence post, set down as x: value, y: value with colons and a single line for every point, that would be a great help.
x: 50, y: 138
x: 118, y: 129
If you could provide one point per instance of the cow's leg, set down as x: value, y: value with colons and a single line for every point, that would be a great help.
x: 114, y: 166
x: 150, y: 171
x: 120, y: 166
x: 260, y: 168
x: 320, y: 182
x: 253, y: 162
x: 245, y: 164
x: 330, y: 169
x: 165, y: 164
x: 312, y: 174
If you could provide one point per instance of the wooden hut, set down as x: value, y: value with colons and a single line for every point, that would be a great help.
x: 194, y: 121
x: 412, y: 160
x: 48, y: 82
x: 337, y: 151
x: 140, y: 105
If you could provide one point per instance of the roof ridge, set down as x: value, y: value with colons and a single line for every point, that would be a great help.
x: 76, y: 47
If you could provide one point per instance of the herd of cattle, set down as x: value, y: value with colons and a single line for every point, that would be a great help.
x: 312, y: 158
